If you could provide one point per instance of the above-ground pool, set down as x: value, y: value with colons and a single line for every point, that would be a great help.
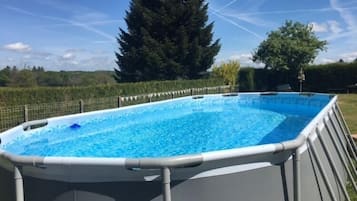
x: 171, y: 128
x: 247, y: 146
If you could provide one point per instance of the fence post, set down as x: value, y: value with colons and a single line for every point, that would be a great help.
x: 26, y: 113
x: 81, y: 106
x: 191, y: 91
x: 150, y: 99
x: 206, y: 90
x: 119, y: 101
x: 219, y: 89
x: 172, y: 95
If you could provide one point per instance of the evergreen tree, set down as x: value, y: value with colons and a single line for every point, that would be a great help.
x: 165, y: 40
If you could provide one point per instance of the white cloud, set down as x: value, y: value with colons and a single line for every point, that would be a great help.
x: 18, y: 47
x: 331, y: 26
x: 244, y: 57
x: 347, y: 34
x: 345, y: 14
x: 349, y: 57
x: 245, y: 60
x: 73, y: 59
x: 334, y: 27
x: 68, y: 56
x: 332, y: 58
x: 324, y: 60
x: 318, y: 28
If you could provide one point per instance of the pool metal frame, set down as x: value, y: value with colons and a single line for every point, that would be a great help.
x: 166, y: 165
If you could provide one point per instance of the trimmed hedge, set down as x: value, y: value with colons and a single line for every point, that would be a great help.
x: 330, y: 77
x: 253, y: 79
x: 319, y: 78
x: 246, y: 79
x: 22, y: 96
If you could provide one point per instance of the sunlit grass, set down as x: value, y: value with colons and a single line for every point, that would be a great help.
x: 348, y: 104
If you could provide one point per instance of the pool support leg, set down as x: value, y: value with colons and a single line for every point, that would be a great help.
x: 322, y: 170
x: 19, y: 184
x: 347, y: 133
x: 333, y: 166
x: 166, y: 188
x: 297, y: 175
x: 351, y: 163
x: 345, y: 164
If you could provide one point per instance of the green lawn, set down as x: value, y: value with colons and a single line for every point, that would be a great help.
x: 348, y: 104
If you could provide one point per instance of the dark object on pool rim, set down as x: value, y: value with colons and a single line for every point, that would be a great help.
x: 269, y: 93
x: 308, y: 94
x: 197, y: 97
x: 75, y: 126
x: 230, y: 94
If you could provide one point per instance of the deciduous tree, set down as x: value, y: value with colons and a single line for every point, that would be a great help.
x: 290, y: 47
x: 228, y: 71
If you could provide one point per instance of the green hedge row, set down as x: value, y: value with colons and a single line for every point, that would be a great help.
x: 252, y: 79
x: 319, y: 78
x: 330, y: 77
x: 21, y: 96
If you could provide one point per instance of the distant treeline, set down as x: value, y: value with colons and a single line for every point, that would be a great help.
x: 37, y: 76
x: 32, y: 95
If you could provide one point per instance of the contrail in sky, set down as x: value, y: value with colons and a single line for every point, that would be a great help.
x: 235, y: 24
x: 227, y: 5
x: 70, y: 22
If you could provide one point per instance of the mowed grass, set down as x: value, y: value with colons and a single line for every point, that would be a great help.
x: 348, y: 104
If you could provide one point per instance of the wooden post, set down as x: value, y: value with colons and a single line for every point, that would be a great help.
x: 150, y: 99
x: 191, y: 91
x: 172, y: 95
x: 119, y: 101
x: 81, y: 106
x: 26, y: 113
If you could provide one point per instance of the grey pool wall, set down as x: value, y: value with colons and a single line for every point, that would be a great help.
x: 300, y: 170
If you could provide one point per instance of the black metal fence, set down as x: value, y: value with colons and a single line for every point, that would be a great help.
x: 15, y: 115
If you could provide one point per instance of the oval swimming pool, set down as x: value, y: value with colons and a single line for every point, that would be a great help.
x: 247, y: 146
x: 177, y: 127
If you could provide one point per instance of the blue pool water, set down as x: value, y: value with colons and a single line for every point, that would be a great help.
x: 182, y: 126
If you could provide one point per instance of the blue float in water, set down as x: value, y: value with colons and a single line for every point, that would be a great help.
x: 75, y: 126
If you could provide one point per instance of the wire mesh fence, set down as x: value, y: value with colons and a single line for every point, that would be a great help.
x: 10, y: 117
x: 15, y: 115
x: 46, y: 110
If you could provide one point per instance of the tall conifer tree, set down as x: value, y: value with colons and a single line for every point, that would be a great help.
x: 165, y: 40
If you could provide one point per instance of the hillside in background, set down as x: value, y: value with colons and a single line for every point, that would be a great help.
x: 37, y: 76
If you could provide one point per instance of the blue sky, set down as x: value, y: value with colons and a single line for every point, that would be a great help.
x: 80, y: 35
